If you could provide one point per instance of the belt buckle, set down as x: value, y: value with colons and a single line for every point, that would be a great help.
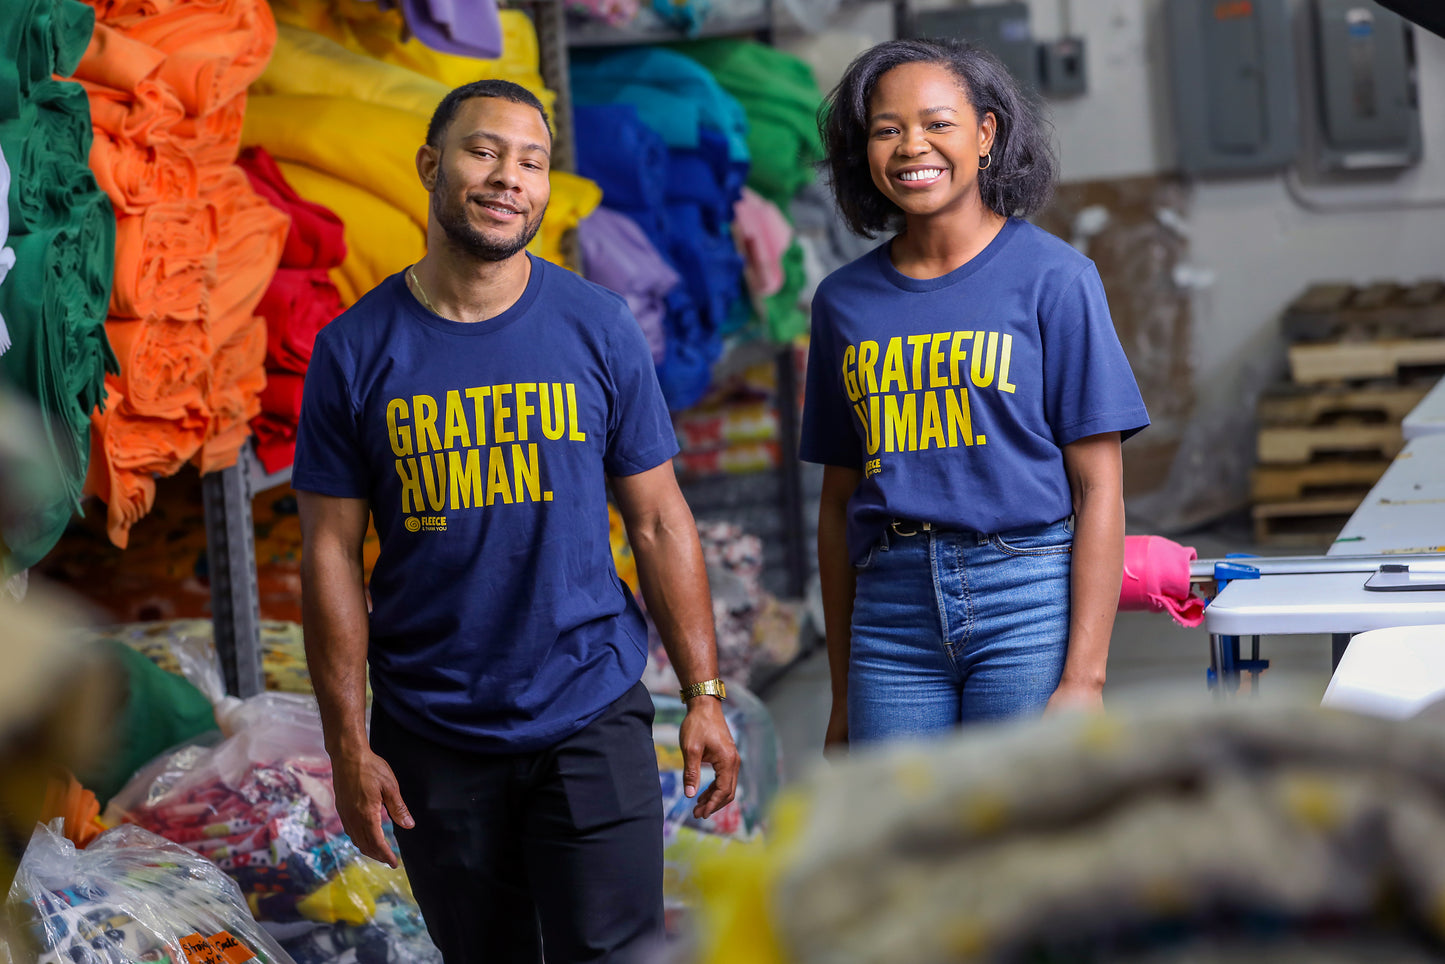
x: 922, y: 527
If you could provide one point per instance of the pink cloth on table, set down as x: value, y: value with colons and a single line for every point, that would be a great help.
x: 1156, y: 579
x: 763, y: 234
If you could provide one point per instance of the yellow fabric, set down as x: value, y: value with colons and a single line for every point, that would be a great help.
x: 380, y: 239
x: 371, y: 147
x: 350, y: 896
x: 305, y: 62
x: 736, y: 888
x: 364, y: 28
x: 327, y: 102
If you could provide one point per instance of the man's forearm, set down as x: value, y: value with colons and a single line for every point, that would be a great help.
x: 333, y: 611
x: 674, y: 585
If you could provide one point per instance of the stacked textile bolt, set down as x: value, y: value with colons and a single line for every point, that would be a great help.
x: 61, y: 233
x: 197, y: 247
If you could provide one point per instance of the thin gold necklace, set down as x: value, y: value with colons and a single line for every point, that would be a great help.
x: 421, y: 292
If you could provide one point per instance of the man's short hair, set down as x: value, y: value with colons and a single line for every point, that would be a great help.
x: 441, y: 118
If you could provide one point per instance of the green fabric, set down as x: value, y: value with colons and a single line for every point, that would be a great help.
x: 54, y: 304
x: 781, y: 100
x: 159, y: 711
x: 48, y: 148
x: 39, y: 38
x: 62, y: 229
x: 786, y: 320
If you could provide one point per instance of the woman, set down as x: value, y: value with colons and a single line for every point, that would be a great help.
x: 967, y: 396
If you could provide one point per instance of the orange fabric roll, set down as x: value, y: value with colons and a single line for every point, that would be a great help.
x: 165, y: 366
x: 235, y: 395
x: 213, y: 140
x: 213, y: 50
x: 165, y: 262
x: 135, y: 176
x: 252, y: 237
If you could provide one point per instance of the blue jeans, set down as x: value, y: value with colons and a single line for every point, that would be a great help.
x: 957, y: 627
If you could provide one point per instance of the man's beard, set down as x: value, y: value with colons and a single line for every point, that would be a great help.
x: 461, y: 232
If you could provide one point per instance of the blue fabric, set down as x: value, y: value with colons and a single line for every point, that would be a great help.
x: 953, y: 627
x: 673, y: 94
x: 498, y: 621
x: 956, y: 395
x: 682, y: 199
x: 623, y: 155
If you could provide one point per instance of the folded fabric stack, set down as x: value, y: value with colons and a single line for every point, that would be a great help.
x: 57, y: 253
x: 301, y: 300
x: 260, y: 805
x: 681, y: 194
x: 345, y: 104
x: 197, y: 247
x: 780, y: 99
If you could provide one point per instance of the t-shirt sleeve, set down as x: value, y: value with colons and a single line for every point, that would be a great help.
x: 827, y: 437
x: 639, y: 429
x: 329, y: 456
x: 1089, y: 387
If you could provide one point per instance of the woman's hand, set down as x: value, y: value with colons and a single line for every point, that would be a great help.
x: 837, y: 734
x: 1076, y: 695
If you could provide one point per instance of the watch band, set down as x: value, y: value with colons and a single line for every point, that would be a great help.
x: 708, y: 687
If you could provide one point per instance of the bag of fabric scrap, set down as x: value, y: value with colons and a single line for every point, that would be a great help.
x: 260, y: 804
x: 129, y: 898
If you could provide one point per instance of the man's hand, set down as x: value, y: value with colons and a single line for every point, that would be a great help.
x: 1076, y: 695
x: 365, y: 787
x: 705, y: 739
x: 836, y: 737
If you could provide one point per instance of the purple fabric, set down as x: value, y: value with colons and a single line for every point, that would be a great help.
x: 468, y: 28
x: 617, y: 255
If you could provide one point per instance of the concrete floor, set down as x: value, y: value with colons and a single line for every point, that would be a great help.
x: 1150, y: 658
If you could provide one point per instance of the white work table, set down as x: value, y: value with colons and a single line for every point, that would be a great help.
x: 1404, y: 513
x: 1428, y: 417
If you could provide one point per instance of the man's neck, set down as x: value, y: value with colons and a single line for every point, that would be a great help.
x: 462, y: 287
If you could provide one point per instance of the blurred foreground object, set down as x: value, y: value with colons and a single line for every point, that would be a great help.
x: 1280, y: 833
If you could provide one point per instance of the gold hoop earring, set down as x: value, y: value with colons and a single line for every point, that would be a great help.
x: 988, y: 162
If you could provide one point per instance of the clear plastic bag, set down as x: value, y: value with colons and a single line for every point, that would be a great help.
x: 260, y: 804
x: 131, y: 897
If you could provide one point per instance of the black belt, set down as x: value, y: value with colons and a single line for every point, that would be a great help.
x: 909, y: 527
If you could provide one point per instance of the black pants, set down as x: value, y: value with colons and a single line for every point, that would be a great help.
x: 560, y: 849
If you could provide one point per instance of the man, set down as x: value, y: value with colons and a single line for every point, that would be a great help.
x: 475, y: 406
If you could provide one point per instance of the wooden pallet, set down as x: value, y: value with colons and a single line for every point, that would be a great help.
x: 1335, y: 477
x: 1297, y: 444
x: 1334, y: 311
x: 1384, y: 358
x: 1302, y: 523
x: 1289, y: 404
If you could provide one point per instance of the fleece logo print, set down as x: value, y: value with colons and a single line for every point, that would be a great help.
x: 476, y: 448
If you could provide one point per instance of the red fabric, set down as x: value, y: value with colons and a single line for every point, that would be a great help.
x: 1156, y: 579
x: 275, y: 427
x: 315, y: 239
x: 299, y: 303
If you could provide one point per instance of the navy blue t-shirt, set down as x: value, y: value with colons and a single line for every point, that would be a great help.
x: 498, y: 619
x: 954, y: 396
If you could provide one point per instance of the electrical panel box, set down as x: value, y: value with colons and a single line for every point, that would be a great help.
x: 1233, y: 84
x: 1061, y: 67
x: 1000, y: 28
x: 1369, y: 113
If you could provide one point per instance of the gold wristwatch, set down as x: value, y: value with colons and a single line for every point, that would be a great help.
x: 708, y: 687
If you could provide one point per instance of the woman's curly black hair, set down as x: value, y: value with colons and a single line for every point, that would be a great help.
x: 1018, y: 180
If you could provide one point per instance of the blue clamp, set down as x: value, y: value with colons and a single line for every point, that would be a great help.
x: 1226, y: 572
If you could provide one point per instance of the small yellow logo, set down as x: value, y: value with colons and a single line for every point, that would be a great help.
x: 872, y: 468
x: 413, y: 524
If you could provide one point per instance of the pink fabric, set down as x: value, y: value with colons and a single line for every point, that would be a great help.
x: 1156, y: 579
x: 762, y: 234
